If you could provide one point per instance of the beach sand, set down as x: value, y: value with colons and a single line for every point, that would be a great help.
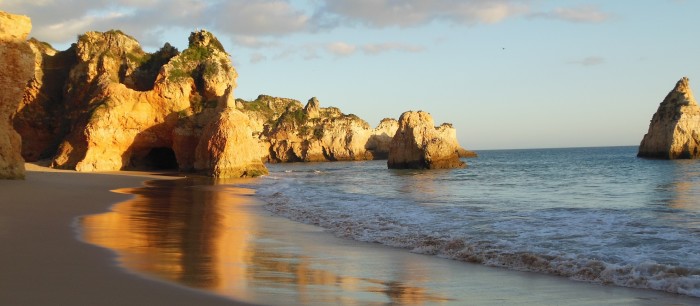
x: 42, y: 262
x: 248, y: 255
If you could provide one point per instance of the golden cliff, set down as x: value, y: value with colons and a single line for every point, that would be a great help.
x: 674, y: 131
x: 418, y: 144
x: 105, y: 104
x: 17, y: 62
x: 121, y: 108
x: 288, y: 132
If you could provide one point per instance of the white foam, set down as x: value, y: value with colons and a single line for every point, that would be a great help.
x: 609, y: 243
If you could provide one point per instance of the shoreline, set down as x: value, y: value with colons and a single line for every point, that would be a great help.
x: 45, y: 263
x: 78, y: 272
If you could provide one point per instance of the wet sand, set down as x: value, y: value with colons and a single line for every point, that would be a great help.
x: 230, y: 246
x: 42, y: 262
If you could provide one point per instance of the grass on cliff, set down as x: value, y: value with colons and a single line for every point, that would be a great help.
x: 259, y: 106
x: 189, y: 60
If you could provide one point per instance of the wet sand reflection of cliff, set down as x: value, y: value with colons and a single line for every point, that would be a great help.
x: 197, y: 233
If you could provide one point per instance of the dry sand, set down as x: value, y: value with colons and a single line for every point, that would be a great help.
x: 43, y: 263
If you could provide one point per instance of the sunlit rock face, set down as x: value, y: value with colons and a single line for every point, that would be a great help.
x: 41, y: 119
x: 418, y: 144
x: 674, y: 131
x: 105, y: 104
x: 288, y: 132
x: 17, y: 62
x: 227, y: 148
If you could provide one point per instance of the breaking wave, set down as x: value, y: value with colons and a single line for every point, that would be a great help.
x: 646, y: 245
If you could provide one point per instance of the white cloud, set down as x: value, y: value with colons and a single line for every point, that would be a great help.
x: 257, y: 57
x: 581, y: 14
x: 253, y: 42
x: 589, y: 61
x: 383, y: 13
x: 390, y: 46
x: 341, y: 48
x: 260, y: 17
x: 60, y: 21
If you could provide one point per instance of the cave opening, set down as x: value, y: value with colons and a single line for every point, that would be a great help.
x: 161, y: 158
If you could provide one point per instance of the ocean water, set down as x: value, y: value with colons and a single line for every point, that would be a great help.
x: 598, y: 215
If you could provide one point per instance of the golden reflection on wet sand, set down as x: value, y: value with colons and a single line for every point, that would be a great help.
x: 201, y: 234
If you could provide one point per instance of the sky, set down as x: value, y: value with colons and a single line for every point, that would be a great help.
x: 505, y: 73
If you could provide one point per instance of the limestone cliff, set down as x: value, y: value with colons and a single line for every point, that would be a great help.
x: 40, y: 118
x: 113, y: 106
x: 418, y: 144
x: 17, y: 64
x: 289, y: 132
x: 674, y: 131
x: 230, y: 135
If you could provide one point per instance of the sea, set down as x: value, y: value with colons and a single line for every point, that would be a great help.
x: 597, y: 215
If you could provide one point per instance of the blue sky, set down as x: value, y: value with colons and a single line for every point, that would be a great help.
x: 506, y: 73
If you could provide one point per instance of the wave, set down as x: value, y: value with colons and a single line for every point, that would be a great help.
x: 369, y: 226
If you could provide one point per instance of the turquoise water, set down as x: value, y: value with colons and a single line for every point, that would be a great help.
x: 592, y: 214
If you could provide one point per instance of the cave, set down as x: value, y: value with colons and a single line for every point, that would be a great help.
x: 161, y: 158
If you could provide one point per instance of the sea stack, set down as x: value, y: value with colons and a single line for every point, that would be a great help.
x: 418, y: 144
x: 674, y: 131
x: 17, y: 62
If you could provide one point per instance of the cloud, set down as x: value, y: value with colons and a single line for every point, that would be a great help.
x: 257, y: 57
x: 384, y: 13
x: 253, y: 42
x: 589, y: 61
x: 580, y: 14
x: 341, y: 49
x: 390, y: 46
x: 260, y: 17
x: 60, y: 21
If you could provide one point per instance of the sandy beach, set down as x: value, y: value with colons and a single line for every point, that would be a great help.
x: 258, y: 258
x: 42, y: 262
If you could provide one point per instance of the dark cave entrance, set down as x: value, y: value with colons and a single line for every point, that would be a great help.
x: 160, y: 159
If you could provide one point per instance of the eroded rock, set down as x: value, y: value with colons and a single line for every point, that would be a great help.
x: 17, y: 62
x: 418, y: 144
x: 674, y: 131
x: 128, y: 109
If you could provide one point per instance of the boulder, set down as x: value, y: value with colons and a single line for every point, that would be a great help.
x: 17, y: 62
x: 418, y: 144
x: 674, y: 131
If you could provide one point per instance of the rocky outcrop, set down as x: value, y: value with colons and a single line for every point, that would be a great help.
x: 418, y: 144
x: 674, y: 131
x: 380, y: 139
x: 105, y: 104
x: 122, y: 108
x: 288, y: 132
x: 229, y: 135
x: 17, y: 62
x: 40, y: 118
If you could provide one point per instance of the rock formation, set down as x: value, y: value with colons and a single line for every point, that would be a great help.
x: 122, y: 108
x: 674, y: 131
x: 418, y: 144
x: 17, y: 62
x: 229, y: 135
x: 41, y: 119
x: 289, y: 132
x: 105, y: 104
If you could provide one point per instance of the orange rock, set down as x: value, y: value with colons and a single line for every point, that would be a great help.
x: 674, y: 131
x: 419, y: 145
x: 17, y: 62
